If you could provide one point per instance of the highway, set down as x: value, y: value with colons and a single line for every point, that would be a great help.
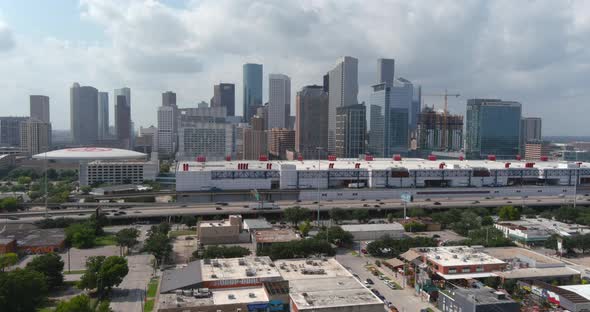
x: 154, y: 210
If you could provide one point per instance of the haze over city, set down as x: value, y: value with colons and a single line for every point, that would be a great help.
x: 535, y: 53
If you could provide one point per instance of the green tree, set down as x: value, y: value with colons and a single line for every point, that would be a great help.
x: 80, y: 303
x: 80, y: 235
x: 414, y: 226
x: 305, y: 227
x: 164, y: 168
x: 392, y: 247
x: 158, y: 244
x: 215, y: 251
x: 103, y: 273
x: 362, y: 215
x: 390, y: 217
x: 339, y: 215
x: 52, y: 174
x: 189, y: 221
x: 487, y: 221
x: 509, y: 213
x: 127, y: 238
x: 335, y: 235
x: 466, y: 222
x: 24, y: 180
x: 85, y: 189
x: 104, y: 306
x: 9, y: 204
x: 297, y: 249
x: 21, y: 290
x: 51, y: 266
x: 567, y: 214
x: 98, y: 222
x: 296, y: 214
x: 7, y: 259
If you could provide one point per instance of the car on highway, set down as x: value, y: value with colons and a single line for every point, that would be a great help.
x: 218, y: 208
x: 475, y: 202
x: 221, y: 204
x: 509, y: 202
x: 365, y: 205
x: 137, y: 211
x: 427, y: 199
x: 377, y: 206
x: 437, y: 203
x: 12, y: 218
x: 369, y: 281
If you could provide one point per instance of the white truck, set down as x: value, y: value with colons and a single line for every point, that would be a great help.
x: 263, y: 206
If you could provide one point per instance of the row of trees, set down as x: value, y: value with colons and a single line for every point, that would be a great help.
x: 215, y: 252
x: 571, y: 244
x: 392, y: 247
x: 297, y: 214
x: 158, y: 243
x: 298, y: 249
x: 25, y: 289
x: 103, y: 273
x: 83, y: 235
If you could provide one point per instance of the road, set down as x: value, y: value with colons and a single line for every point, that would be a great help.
x: 403, y: 299
x: 129, y: 295
x: 175, y: 209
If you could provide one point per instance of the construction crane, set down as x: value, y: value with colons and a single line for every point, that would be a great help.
x: 445, y: 112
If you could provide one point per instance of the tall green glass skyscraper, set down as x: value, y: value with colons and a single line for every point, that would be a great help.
x: 493, y: 128
x: 252, y: 82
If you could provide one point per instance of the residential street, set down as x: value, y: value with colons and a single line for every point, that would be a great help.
x: 130, y: 294
x: 404, y: 300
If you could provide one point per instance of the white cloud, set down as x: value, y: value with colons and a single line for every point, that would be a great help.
x: 6, y: 38
x: 533, y: 52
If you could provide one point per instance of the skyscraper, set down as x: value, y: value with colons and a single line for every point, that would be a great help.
x: 254, y: 139
x: 84, y: 114
x: 493, y: 128
x: 35, y: 136
x: 123, y: 116
x: 279, y: 100
x: 432, y: 135
x: 343, y: 91
x: 168, y: 98
x: 311, y: 125
x: 351, y: 127
x: 385, y: 70
x: 123, y: 121
x: 224, y: 94
x: 103, y: 115
x: 390, y: 105
x: 10, y: 130
x: 530, y: 131
x: 252, y: 81
x: 279, y: 141
x: 204, y: 132
x: 39, y: 107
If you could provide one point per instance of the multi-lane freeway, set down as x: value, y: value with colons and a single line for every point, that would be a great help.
x: 153, y: 210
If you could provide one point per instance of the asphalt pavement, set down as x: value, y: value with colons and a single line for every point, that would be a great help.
x: 130, y: 294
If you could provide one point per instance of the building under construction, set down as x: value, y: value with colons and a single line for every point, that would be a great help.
x: 437, y: 132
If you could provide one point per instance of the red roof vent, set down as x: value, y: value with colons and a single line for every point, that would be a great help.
x: 544, y: 158
x: 263, y: 157
x: 442, y: 165
x: 332, y: 157
x: 201, y: 158
x: 228, y: 158
x: 461, y: 158
x: 507, y: 165
x: 492, y: 157
x: 300, y: 157
x: 432, y: 157
x: 529, y: 165
x: 369, y: 157
x: 397, y: 157
x: 518, y: 157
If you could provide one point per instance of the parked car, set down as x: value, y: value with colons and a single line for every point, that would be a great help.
x: 369, y: 281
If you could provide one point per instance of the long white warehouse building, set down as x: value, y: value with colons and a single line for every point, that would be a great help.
x: 375, y: 174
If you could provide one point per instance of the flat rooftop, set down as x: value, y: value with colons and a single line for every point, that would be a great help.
x: 275, y: 236
x: 324, y: 283
x: 216, y: 297
x: 33, y: 237
x: 458, y: 256
x: 481, y: 295
x: 442, y: 235
x: 508, y: 253
x: 373, y: 227
x: 219, y: 223
x: 582, y: 290
x: 379, y: 164
x: 238, y: 268
x: 254, y: 224
x: 531, y: 273
x: 553, y: 225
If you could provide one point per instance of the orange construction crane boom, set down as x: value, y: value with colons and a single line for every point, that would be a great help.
x: 445, y: 111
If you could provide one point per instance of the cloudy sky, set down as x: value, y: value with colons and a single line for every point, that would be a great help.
x: 535, y: 52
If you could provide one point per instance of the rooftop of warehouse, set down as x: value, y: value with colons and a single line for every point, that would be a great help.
x: 372, y: 227
x: 275, y: 236
x: 238, y: 268
x: 508, y: 253
x: 323, y: 283
x: 377, y: 164
x: 215, y: 297
x: 458, y: 255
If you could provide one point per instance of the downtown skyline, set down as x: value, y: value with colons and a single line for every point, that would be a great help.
x: 460, y: 59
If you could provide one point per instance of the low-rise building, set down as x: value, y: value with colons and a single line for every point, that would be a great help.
x: 324, y: 285
x: 7, y: 245
x: 6, y: 161
x: 524, y: 233
x: 117, y: 172
x: 252, y: 225
x: 220, y: 232
x: 460, y: 262
x: 475, y: 300
x: 364, y: 232
x: 266, y: 238
x: 118, y: 189
x: 30, y: 240
x: 533, y: 226
x: 215, y: 300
